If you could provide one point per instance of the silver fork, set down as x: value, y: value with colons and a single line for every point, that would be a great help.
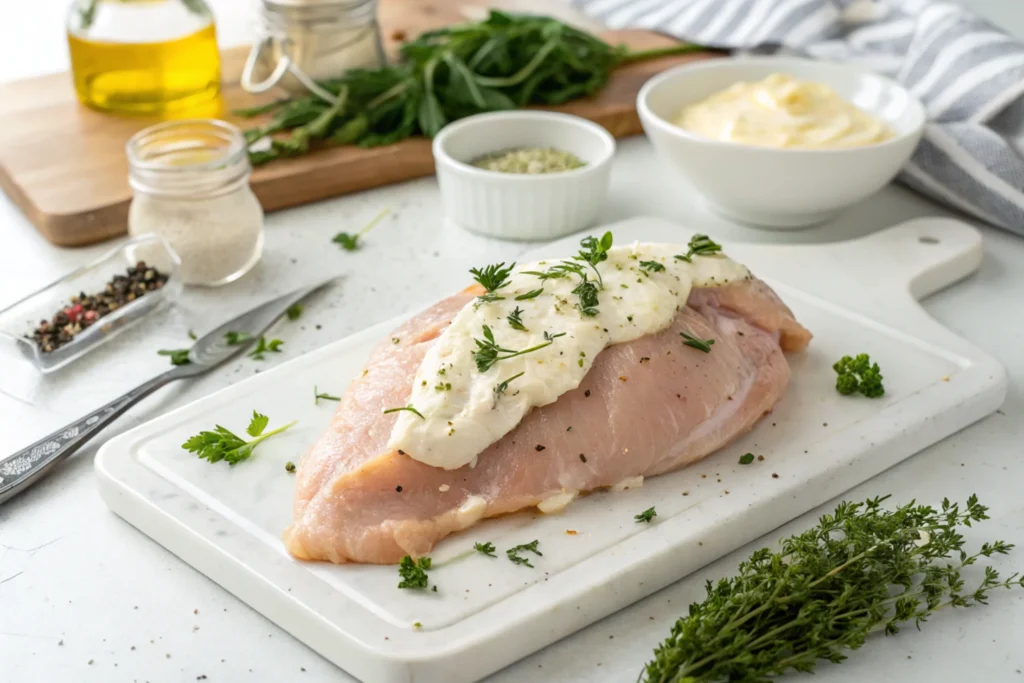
x: 26, y: 467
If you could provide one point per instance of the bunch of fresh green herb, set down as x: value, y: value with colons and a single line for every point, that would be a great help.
x: 223, y: 444
x: 861, y: 570
x: 504, y: 62
x: 858, y: 374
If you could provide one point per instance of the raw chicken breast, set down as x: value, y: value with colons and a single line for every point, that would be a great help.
x: 646, y: 407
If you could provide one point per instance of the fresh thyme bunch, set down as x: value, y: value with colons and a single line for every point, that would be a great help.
x: 862, y: 569
x: 503, y: 62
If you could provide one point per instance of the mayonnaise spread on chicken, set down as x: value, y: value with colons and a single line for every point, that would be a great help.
x: 537, y: 340
x: 781, y: 111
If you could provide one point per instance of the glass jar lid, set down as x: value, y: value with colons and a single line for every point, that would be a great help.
x: 189, y: 159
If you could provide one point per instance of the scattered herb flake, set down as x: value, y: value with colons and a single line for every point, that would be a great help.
x: 645, y: 516
x: 652, y: 266
x: 350, y: 242
x: 289, y: 466
x: 294, y: 311
x: 746, y: 458
x: 408, y: 408
x: 178, y: 356
x: 699, y: 344
x: 513, y: 553
x: 327, y: 397
x: 515, y: 320
x: 485, y: 548
x: 236, y: 338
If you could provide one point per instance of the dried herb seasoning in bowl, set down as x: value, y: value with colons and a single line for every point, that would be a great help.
x: 532, y: 160
x: 87, y: 307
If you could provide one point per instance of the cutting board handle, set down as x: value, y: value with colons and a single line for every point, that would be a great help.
x: 920, y: 256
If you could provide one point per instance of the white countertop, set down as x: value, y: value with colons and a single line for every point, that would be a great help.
x: 84, y: 597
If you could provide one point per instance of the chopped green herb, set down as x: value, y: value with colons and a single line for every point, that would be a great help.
x: 858, y: 374
x: 327, y: 397
x: 551, y: 337
x: 501, y: 387
x: 699, y: 344
x: 515, y: 320
x: 513, y: 553
x: 192, y: 335
x: 350, y: 242
x: 700, y: 245
x: 746, y: 458
x: 289, y: 466
x: 530, y: 295
x: 236, y: 338
x: 645, y: 516
x: 223, y: 444
x: 485, y: 548
x: 264, y: 346
x: 294, y: 311
x: 396, y: 340
x: 492, y: 278
x: 587, y: 292
x: 443, y: 386
x: 408, y: 408
x: 413, y: 572
x: 178, y: 356
x: 488, y: 352
x: 652, y: 266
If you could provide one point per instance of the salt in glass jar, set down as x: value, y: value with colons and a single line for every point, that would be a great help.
x: 191, y: 183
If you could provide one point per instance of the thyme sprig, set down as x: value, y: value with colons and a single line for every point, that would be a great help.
x: 488, y: 352
x: 861, y: 570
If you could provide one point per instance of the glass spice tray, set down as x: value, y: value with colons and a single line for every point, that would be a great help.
x: 20, y: 320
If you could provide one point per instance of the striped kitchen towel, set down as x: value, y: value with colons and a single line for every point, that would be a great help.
x: 969, y: 74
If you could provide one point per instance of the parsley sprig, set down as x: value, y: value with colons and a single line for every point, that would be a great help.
x: 531, y: 547
x: 488, y: 352
x: 485, y: 548
x: 413, y: 572
x: 223, y: 444
x: 858, y: 374
x: 861, y: 570
x: 492, y: 278
x: 350, y: 242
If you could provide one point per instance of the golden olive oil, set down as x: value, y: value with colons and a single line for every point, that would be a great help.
x: 167, y: 77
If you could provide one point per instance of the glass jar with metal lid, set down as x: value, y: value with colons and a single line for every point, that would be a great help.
x: 304, y: 41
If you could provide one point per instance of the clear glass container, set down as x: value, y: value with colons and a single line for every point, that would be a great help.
x: 19, y: 321
x: 304, y: 41
x: 144, y: 56
x: 191, y: 183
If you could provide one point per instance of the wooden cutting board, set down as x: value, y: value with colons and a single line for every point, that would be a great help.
x: 64, y: 164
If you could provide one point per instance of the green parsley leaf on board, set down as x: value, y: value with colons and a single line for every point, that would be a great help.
x: 531, y: 547
x: 862, y: 570
x: 236, y: 338
x: 263, y: 346
x: 646, y: 516
x: 485, y: 548
x: 746, y: 458
x: 178, y: 356
x: 223, y: 444
x: 413, y: 572
x: 858, y: 374
x: 350, y: 242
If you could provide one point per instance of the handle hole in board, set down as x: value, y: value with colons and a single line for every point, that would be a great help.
x: 928, y: 239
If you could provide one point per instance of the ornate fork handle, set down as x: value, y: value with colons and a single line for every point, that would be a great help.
x: 19, y: 471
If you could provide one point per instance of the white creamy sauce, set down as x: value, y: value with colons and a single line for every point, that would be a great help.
x: 462, y: 415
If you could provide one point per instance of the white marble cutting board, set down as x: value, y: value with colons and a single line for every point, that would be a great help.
x: 855, y: 297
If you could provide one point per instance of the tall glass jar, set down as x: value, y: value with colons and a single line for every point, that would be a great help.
x: 144, y: 56
x: 304, y: 41
x: 191, y: 183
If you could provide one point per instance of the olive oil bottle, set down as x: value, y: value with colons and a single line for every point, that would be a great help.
x: 145, y: 56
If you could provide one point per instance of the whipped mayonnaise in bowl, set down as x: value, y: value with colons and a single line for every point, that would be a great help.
x: 838, y: 134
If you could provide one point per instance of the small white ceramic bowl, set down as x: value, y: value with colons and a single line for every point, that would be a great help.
x: 779, y: 188
x: 521, y: 206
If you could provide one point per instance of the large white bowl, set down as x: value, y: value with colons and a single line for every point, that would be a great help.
x: 779, y: 188
x: 521, y: 206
